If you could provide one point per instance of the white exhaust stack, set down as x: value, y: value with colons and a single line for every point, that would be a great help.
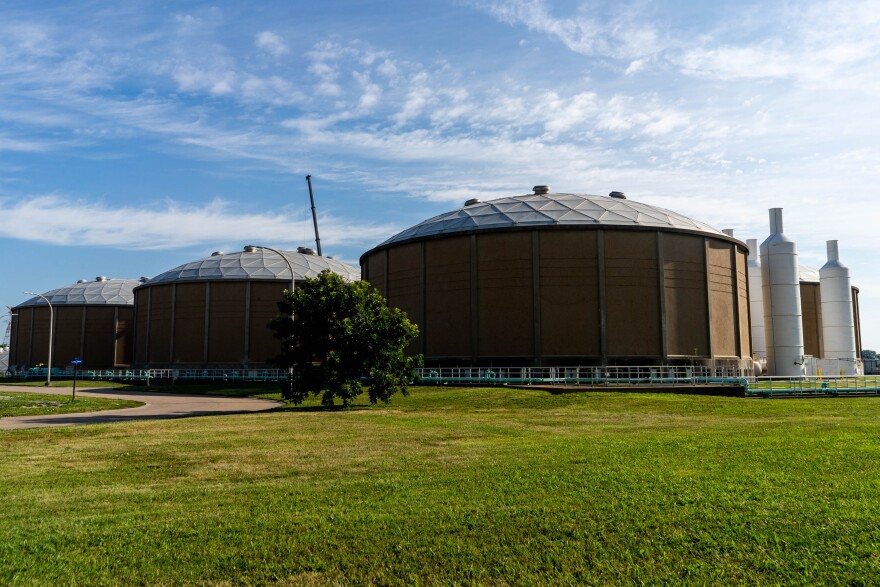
x: 838, y: 328
x: 756, y: 302
x: 783, y: 326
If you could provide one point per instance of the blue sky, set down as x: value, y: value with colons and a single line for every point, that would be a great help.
x: 136, y: 136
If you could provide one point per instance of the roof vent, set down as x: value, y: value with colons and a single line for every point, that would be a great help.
x: 216, y: 253
x: 618, y: 195
x: 82, y: 281
x: 473, y: 201
x: 144, y: 279
x: 305, y: 251
x: 100, y: 278
x: 250, y: 249
x: 541, y: 189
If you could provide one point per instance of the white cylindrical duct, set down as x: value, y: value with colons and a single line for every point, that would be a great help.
x: 838, y: 326
x: 783, y: 325
x: 756, y: 302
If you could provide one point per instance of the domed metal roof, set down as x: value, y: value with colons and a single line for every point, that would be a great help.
x: 545, y: 209
x: 256, y: 264
x: 101, y: 292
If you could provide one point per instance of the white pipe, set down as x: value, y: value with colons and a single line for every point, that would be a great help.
x: 756, y: 302
x: 783, y: 326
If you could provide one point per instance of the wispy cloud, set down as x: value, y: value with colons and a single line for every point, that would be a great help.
x: 271, y: 43
x: 626, y: 35
x: 167, y: 226
x: 429, y: 128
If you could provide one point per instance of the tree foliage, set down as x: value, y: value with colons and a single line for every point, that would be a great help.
x: 869, y: 355
x: 343, y: 338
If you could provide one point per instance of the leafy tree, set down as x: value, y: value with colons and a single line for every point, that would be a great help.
x: 344, y: 337
x: 869, y: 355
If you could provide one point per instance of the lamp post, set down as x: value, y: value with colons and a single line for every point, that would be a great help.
x: 51, y: 332
x: 251, y: 248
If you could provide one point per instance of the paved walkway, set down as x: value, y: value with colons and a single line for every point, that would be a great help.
x: 156, y: 406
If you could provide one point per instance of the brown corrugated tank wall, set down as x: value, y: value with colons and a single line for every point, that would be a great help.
x: 569, y: 296
x: 207, y: 324
x: 99, y: 335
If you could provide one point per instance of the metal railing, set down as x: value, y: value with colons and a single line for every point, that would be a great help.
x: 161, y: 374
x: 588, y: 376
x: 805, y: 386
x: 655, y: 376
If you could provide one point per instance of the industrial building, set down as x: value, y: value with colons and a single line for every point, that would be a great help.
x: 550, y: 279
x: 214, y: 312
x: 537, y: 280
x: 92, y: 322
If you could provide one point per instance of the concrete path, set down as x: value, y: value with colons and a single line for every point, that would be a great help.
x: 156, y: 406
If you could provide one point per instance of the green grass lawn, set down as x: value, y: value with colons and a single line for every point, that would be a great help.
x: 80, y: 384
x: 467, y: 486
x: 264, y: 390
x: 38, y: 404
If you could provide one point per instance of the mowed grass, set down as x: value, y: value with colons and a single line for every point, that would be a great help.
x: 38, y: 404
x: 465, y: 486
x: 80, y: 384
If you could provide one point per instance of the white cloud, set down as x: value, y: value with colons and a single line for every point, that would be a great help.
x: 416, y: 100
x: 326, y: 78
x: 830, y: 44
x: 272, y: 90
x: 82, y: 223
x: 628, y: 34
x: 190, y: 79
x: 371, y: 92
x: 387, y: 68
x: 635, y: 66
x: 580, y: 34
x: 21, y: 145
x: 271, y: 43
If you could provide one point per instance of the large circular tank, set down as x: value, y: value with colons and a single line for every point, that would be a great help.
x: 214, y: 312
x: 93, y: 322
x: 564, y: 279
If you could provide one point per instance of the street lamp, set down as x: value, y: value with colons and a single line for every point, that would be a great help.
x: 253, y: 248
x: 51, y: 332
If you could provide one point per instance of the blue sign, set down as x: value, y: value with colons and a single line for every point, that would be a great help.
x: 76, y: 361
